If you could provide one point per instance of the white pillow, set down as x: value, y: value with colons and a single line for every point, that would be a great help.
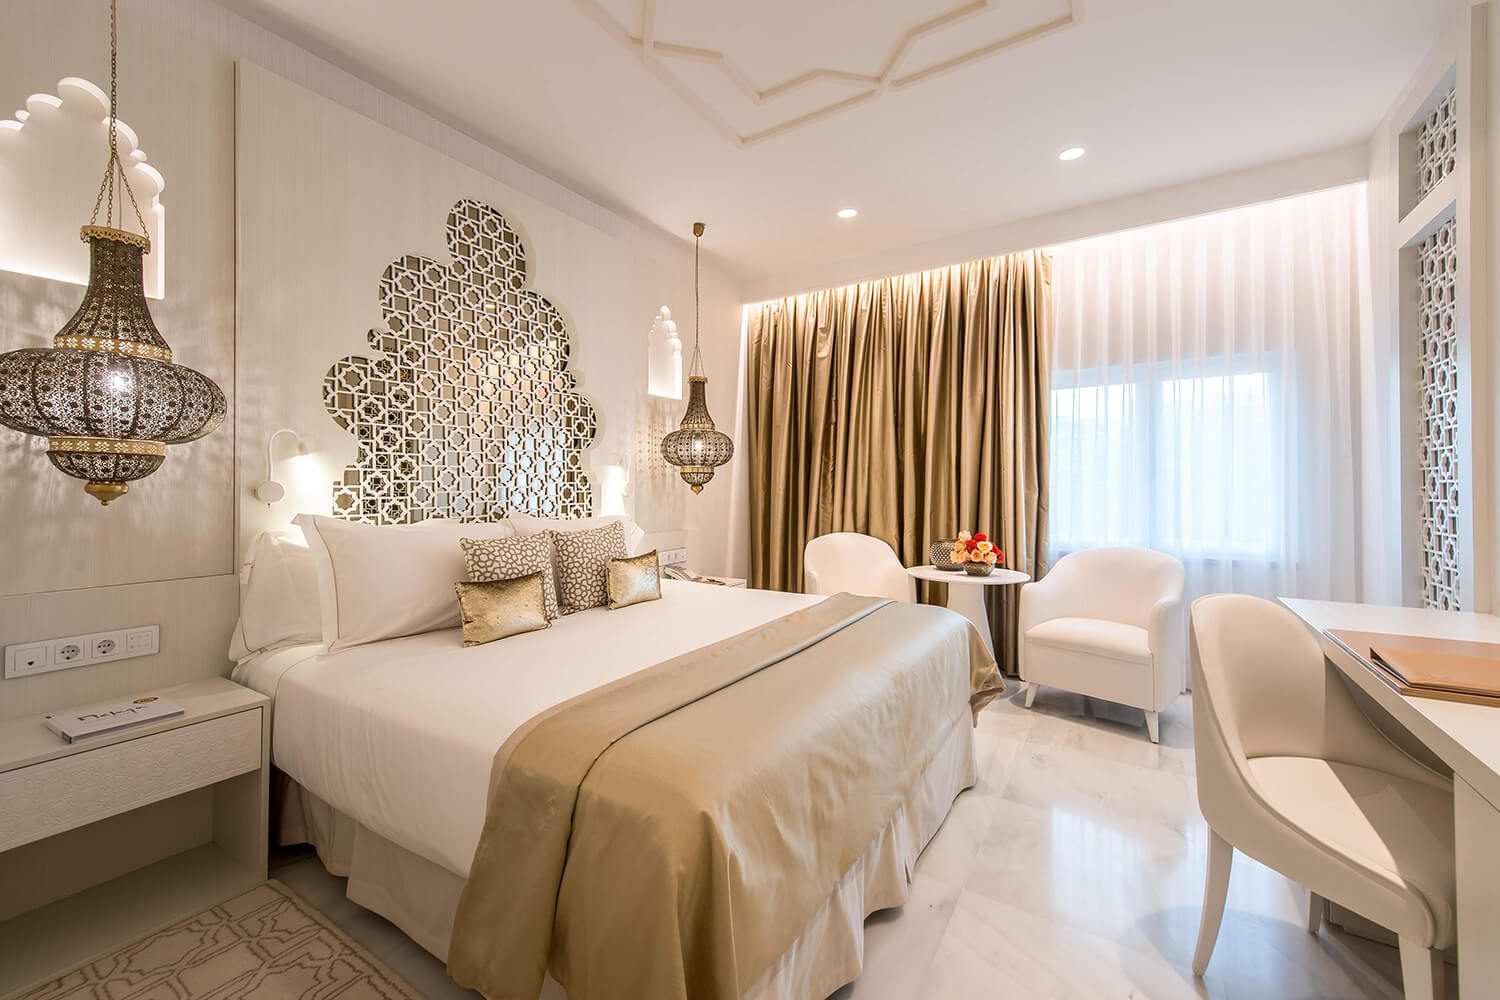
x: 278, y: 595
x: 383, y: 581
x: 527, y: 524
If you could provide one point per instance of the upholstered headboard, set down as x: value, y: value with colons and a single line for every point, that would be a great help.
x: 468, y: 409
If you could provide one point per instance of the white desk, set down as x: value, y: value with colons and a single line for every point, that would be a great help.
x: 1467, y: 738
x: 965, y: 595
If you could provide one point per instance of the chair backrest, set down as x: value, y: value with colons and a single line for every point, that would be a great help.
x: 1117, y: 584
x: 847, y: 561
x: 1261, y: 688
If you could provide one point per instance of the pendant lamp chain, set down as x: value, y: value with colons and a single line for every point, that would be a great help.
x: 696, y: 366
x: 114, y: 168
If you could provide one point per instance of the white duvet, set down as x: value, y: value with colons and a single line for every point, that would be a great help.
x: 401, y: 734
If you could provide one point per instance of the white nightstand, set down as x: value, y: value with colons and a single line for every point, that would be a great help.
x: 180, y: 806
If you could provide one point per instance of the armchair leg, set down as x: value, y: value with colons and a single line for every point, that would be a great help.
x: 1153, y: 727
x: 1215, y: 895
x: 1031, y: 687
x: 1317, y: 907
x: 1421, y: 971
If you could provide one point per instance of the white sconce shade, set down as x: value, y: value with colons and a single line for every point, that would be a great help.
x: 269, y: 491
x: 614, y: 485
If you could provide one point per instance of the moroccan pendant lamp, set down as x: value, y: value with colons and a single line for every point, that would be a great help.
x: 106, y: 395
x: 696, y: 448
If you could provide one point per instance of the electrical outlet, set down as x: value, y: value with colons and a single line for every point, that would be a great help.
x: 28, y: 659
x: 82, y: 650
x: 673, y: 557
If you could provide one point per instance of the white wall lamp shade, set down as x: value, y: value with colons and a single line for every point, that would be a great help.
x: 269, y: 491
x: 614, y: 487
x: 1071, y: 153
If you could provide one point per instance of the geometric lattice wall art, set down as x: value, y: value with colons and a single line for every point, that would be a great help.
x: 1437, y: 145
x: 1437, y: 289
x: 468, y: 410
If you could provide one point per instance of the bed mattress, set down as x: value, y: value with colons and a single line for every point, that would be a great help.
x: 401, y: 735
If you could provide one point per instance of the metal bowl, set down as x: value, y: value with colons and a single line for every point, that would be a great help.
x: 942, y: 555
x: 978, y: 568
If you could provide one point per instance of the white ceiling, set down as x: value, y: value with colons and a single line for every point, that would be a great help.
x: 651, y: 106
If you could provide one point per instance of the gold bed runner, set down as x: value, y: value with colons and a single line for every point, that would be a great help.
x: 733, y: 798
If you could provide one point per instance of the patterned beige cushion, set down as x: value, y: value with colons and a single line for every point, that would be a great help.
x: 582, y: 561
x: 507, y: 558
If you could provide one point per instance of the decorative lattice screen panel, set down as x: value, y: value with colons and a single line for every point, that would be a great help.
x: 1437, y: 145
x: 1437, y: 258
x: 469, y: 411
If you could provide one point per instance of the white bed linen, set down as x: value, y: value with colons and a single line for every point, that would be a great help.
x: 401, y: 734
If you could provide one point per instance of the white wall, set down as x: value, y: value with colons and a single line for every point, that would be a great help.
x: 327, y: 199
x: 168, y: 552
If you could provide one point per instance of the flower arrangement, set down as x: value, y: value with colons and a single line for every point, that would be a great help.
x: 976, y: 553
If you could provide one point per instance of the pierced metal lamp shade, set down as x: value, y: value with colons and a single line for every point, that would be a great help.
x: 106, y: 395
x: 696, y: 448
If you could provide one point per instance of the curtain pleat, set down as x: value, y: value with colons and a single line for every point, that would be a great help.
x: 906, y: 408
x: 1206, y: 395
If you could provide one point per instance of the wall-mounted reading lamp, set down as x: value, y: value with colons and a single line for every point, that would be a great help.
x: 270, y: 491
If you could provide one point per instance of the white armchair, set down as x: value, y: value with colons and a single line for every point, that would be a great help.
x: 848, y: 562
x: 1107, y: 623
x: 1292, y: 773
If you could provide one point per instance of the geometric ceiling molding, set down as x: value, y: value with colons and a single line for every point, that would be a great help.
x: 759, y: 70
x: 51, y: 155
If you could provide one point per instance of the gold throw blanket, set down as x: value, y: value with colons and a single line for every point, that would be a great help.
x: 669, y: 836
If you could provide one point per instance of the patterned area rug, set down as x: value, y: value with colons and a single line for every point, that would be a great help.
x: 264, y: 945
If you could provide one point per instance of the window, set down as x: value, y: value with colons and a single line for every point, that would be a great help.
x: 1186, y: 465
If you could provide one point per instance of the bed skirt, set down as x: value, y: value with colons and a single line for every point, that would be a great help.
x: 421, y: 897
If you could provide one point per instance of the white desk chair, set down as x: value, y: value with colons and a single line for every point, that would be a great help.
x: 847, y: 561
x: 1106, y: 623
x: 1292, y: 773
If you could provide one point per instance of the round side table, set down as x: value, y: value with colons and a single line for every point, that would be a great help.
x: 966, y: 594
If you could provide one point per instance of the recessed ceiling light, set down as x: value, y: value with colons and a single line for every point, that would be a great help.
x: 1071, y: 153
x: 848, y: 213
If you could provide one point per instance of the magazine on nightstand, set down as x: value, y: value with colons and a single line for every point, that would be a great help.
x: 77, y: 724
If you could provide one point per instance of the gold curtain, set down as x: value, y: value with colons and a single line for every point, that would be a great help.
x: 906, y: 408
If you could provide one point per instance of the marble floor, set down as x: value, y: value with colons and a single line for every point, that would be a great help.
x: 1073, y: 869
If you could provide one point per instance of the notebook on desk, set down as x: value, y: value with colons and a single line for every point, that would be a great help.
x: 1424, y: 667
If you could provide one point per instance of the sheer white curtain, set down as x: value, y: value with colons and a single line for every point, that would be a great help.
x: 1206, y: 397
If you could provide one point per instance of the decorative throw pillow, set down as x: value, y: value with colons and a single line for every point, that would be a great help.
x: 499, y: 609
x: 507, y: 558
x: 633, y: 581
x: 582, y: 560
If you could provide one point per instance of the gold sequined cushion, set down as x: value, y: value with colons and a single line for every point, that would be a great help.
x: 498, y: 609
x: 633, y: 581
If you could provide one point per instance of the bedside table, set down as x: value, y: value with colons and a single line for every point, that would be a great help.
x: 103, y: 840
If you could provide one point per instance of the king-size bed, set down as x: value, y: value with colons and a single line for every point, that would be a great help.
x: 699, y: 796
